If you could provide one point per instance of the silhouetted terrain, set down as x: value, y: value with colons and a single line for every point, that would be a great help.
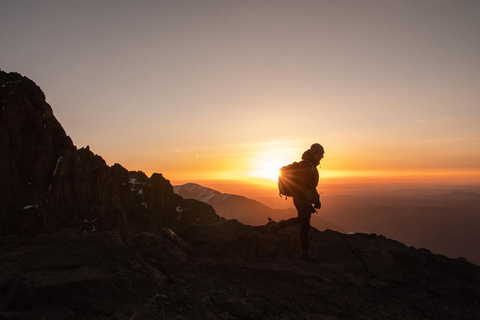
x: 48, y: 184
x: 444, y: 223
x: 82, y: 240
x: 243, y: 209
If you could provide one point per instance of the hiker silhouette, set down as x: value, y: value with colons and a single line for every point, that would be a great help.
x: 303, y: 187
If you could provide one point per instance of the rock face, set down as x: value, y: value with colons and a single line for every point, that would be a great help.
x: 31, y: 141
x: 227, y: 270
x: 47, y: 184
x: 82, y: 240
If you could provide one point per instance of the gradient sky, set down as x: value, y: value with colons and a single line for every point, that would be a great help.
x: 233, y: 90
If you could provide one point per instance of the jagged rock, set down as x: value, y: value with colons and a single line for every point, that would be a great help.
x: 31, y: 141
x: 47, y: 184
x: 359, y: 276
x: 232, y: 239
x: 162, y: 248
x: 72, y: 275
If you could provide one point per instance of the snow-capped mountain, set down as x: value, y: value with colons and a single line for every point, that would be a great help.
x: 198, y: 192
x: 245, y: 210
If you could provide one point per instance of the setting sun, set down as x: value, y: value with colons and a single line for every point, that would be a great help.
x: 266, y: 163
x: 267, y: 170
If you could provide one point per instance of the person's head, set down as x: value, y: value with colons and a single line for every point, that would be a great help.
x: 317, y: 151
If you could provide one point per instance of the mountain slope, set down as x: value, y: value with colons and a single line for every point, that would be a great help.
x: 245, y: 210
x: 47, y: 184
x: 444, y: 223
x: 204, y: 194
x: 227, y: 270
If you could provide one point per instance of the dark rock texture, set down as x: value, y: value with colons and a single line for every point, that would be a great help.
x: 359, y: 276
x: 47, y: 184
x: 31, y: 141
x: 70, y: 274
x: 230, y: 271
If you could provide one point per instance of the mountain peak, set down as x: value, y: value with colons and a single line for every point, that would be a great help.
x: 198, y: 192
x: 48, y: 184
x: 243, y: 209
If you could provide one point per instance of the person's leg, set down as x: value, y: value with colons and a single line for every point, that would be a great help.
x: 304, y: 214
x: 304, y: 219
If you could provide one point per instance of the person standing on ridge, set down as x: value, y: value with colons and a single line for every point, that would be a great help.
x: 305, y: 196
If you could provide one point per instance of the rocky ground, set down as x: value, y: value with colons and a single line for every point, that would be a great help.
x: 229, y: 271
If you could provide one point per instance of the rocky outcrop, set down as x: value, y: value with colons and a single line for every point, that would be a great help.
x: 47, y: 184
x: 255, y: 276
x: 31, y: 141
x: 227, y: 270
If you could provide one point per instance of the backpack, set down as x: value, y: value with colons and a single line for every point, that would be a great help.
x: 288, y: 180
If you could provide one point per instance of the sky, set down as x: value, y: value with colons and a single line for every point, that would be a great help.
x: 233, y: 90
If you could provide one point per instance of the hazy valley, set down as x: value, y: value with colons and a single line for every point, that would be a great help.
x: 431, y: 217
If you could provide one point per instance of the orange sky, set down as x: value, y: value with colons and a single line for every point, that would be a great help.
x: 233, y: 90
x: 259, y: 163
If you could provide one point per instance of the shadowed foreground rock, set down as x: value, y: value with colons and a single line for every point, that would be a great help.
x: 230, y: 271
x: 69, y: 274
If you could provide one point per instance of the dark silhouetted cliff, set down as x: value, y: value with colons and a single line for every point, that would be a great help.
x: 48, y: 184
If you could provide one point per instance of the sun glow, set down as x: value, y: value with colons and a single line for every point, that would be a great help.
x: 266, y: 164
x: 269, y: 171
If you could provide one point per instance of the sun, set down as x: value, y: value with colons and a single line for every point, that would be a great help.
x: 267, y: 170
x: 267, y: 166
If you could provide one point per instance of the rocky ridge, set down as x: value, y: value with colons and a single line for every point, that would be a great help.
x: 227, y: 270
x: 48, y: 184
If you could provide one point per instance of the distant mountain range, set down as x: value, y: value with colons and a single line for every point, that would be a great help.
x: 445, y: 223
x: 245, y: 210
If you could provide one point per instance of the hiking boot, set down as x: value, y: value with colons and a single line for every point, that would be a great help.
x: 308, y: 256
